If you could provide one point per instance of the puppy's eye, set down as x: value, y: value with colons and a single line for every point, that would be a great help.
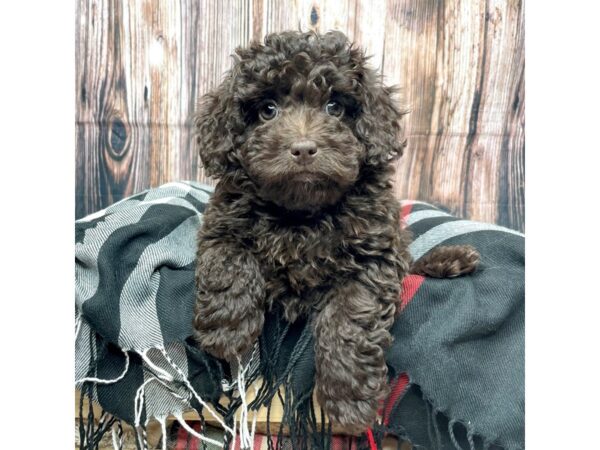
x: 268, y: 110
x: 334, y: 109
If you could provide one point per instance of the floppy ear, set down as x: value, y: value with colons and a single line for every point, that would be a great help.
x: 213, y: 125
x: 379, y: 125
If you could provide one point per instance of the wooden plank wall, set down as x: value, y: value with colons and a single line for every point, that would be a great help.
x: 142, y: 65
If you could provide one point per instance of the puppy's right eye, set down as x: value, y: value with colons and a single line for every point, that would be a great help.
x: 268, y: 110
x: 335, y: 109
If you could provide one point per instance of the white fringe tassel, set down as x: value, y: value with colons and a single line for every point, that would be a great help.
x: 117, y: 441
x: 246, y: 434
x: 193, y: 432
x: 99, y: 381
x: 195, y: 394
x: 159, y: 371
x: 163, y: 428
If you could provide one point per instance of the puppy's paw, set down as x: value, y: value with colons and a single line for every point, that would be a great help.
x: 352, y: 416
x: 225, y: 338
x: 447, y: 262
x: 228, y: 315
x: 352, y: 405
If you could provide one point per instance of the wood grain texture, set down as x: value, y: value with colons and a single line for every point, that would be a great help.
x: 142, y: 65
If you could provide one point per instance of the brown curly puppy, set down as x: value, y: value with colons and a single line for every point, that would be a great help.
x: 302, y: 135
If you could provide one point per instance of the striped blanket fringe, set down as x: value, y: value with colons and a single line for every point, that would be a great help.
x: 237, y: 418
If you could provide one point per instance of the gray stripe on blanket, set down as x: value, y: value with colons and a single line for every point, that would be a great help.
x: 121, y: 205
x: 86, y: 252
x: 424, y: 214
x: 140, y: 327
x: 448, y: 230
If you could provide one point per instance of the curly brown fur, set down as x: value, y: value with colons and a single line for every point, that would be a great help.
x: 302, y: 135
x: 447, y: 262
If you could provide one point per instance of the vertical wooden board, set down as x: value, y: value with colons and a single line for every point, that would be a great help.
x: 454, y: 117
x: 486, y: 181
x: 444, y: 59
x: 369, y: 29
x: 110, y: 145
x: 326, y: 15
x: 258, y: 15
x: 411, y: 40
x: 220, y: 28
x: 85, y: 183
x: 154, y: 35
x: 355, y: 18
x: 322, y: 16
x: 189, y: 160
x: 280, y: 16
x: 87, y: 177
x: 317, y: 15
x: 512, y: 198
x: 303, y: 15
x: 305, y: 12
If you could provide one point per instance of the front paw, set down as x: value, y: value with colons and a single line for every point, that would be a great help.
x: 448, y: 261
x: 227, y: 335
x: 350, y: 415
x: 350, y: 388
x: 228, y: 315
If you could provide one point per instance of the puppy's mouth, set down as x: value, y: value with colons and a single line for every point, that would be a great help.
x: 307, y: 176
x: 303, y: 191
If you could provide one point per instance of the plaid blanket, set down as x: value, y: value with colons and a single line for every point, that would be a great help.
x: 456, y: 364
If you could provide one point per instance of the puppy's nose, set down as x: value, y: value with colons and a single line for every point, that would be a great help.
x: 304, y: 151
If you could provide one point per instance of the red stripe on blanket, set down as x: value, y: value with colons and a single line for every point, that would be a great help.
x: 181, y: 438
x: 404, y: 212
x: 371, y: 439
x: 258, y: 439
x: 398, y: 390
x: 410, y: 286
x: 238, y: 442
x: 340, y: 442
x: 194, y: 441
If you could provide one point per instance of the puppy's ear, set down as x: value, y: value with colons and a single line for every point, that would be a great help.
x: 213, y: 125
x: 379, y: 125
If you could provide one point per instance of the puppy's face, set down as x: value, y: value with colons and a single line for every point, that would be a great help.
x: 301, y: 150
x: 302, y: 117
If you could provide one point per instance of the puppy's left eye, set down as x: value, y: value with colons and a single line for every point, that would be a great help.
x: 334, y: 109
x: 268, y: 110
